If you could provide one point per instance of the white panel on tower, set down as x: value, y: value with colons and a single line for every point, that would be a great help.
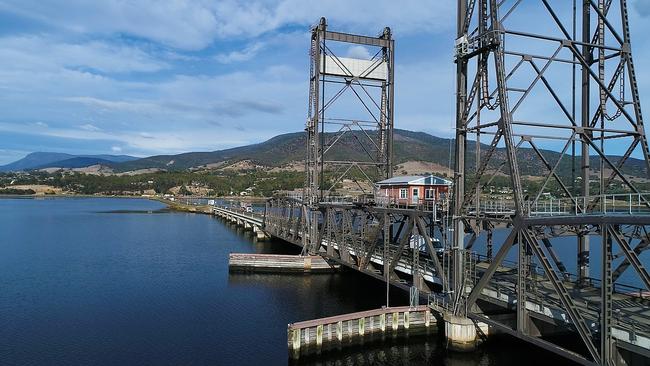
x: 353, y: 67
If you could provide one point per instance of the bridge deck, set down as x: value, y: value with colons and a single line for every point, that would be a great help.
x: 631, y: 320
x: 631, y: 309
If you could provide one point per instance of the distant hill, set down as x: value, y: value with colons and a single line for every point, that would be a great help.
x: 41, y: 160
x: 289, y: 148
x: 278, y: 150
x: 76, y: 162
x: 408, y: 146
x: 33, y: 160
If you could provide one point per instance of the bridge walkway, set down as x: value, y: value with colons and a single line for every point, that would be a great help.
x: 631, y: 321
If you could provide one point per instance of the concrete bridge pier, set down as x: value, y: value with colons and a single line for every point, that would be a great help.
x: 261, y: 235
x: 460, y: 333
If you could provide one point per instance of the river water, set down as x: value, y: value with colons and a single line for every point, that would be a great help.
x: 108, y: 281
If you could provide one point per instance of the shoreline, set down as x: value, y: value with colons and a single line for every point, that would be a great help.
x: 181, y: 207
x: 238, y: 198
x: 169, y: 205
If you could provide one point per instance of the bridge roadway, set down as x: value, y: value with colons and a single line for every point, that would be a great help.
x: 256, y: 220
x: 631, y: 322
x: 250, y: 220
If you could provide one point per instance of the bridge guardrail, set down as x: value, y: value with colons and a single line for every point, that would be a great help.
x: 606, y: 204
x: 620, y: 288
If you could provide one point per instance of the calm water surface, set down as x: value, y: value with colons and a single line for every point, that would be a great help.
x: 99, y: 281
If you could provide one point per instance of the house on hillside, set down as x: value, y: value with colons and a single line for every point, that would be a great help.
x: 413, y: 189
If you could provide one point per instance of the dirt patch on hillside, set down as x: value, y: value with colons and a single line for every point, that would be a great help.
x: 40, y: 189
x: 422, y: 168
x: 296, y: 166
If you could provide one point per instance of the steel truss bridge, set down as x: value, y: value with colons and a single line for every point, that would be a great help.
x: 522, y: 266
x: 379, y: 241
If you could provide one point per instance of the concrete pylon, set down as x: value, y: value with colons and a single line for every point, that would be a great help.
x: 461, y: 333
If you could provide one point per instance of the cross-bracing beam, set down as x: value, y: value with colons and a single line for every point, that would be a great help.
x: 557, y: 96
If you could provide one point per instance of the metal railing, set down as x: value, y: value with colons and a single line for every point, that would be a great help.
x: 290, y: 194
x: 422, y: 204
x: 607, y: 204
x: 538, y: 274
x: 618, y: 203
x: 241, y: 212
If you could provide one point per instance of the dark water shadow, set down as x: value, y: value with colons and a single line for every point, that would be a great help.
x: 158, y: 211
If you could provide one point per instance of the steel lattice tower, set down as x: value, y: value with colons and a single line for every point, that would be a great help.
x: 369, y: 85
x: 557, y: 93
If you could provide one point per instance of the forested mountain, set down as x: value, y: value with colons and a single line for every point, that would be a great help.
x: 40, y: 160
x: 290, y: 148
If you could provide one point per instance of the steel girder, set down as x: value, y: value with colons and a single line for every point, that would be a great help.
x: 514, y: 68
x: 491, y: 27
x: 398, y: 243
x: 554, y: 289
x: 601, y: 59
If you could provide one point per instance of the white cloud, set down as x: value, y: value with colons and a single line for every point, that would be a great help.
x: 252, y: 18
x: 157, y: 142
x: 116, y: 149
x: 238, y: 56
x: 90, y: 127
x: 179, y: 23
x: 175, y: 114
x: 47, y: 53
x: 275, y: 41
x: 195, y: 24
x: 104, y: 104
x: 359, y: 52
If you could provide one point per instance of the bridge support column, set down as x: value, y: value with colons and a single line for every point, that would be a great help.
x: 261, y: 235
x: 461, y: 333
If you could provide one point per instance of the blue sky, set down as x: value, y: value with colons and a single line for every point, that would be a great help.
x: 151, y: 77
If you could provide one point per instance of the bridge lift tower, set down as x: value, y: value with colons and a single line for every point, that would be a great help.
x: 550, y: 85
x: 350, y: 119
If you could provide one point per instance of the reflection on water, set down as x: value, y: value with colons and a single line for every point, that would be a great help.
x: 500, y: 350
x: 162, y: 210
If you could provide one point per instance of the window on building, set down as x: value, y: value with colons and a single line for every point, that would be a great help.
x: 429, y: 193
x: 403, y: 193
